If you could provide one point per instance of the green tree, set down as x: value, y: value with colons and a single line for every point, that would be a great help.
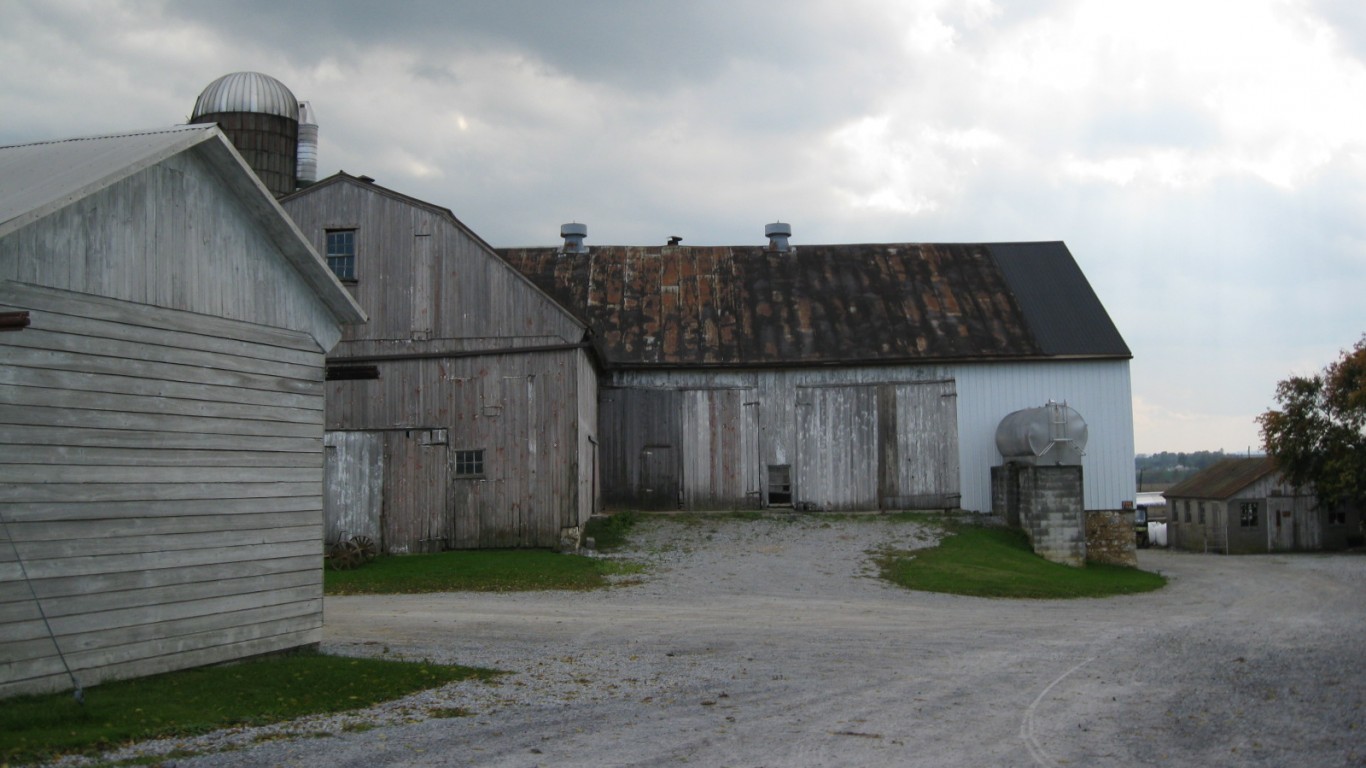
x: 1318, y: 436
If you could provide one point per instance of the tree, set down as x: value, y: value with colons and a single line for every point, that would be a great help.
x: 1318, y: 437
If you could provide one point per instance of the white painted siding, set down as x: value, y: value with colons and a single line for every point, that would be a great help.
x: 1098, y: 390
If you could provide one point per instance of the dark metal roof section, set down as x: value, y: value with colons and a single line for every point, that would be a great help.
x: 1222, y: 480
x: 668, y: 306
x: 1064, y: 314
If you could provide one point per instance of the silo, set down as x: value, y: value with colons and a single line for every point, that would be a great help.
x: 308, y: 145
x: 261, y: 118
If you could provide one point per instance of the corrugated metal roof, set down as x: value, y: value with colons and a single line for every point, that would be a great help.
x: 1224, y: 479
x: 1063, y: 312
x: 816, y: 305
x: 246, y: 92
x: 36, y: 177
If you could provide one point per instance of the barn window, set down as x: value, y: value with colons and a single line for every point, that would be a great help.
x: 341, y: 253
x: 1248, y: 518
x: 1337, y: 517
x: 469, y: 463
x: 1202, y: 513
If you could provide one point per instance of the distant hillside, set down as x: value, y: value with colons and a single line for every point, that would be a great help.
x: 1159, y: 471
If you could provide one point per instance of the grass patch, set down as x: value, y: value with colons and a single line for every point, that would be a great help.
x: 259, y: 692
x: 609, y: 531
x: 998, y: 562
x: 483, y: 570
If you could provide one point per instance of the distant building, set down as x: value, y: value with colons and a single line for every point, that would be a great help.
x: 161, y: 401
x: 835, y: 377
x: 1243, y: 506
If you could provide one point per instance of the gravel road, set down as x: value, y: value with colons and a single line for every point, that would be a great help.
x: 770, y: 643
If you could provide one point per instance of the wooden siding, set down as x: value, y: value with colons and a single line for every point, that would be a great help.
x: 160, y: 479
x: 432, y: 289
x: 420, y: 275
x: 1099, y: 390
x: 522, y: 410
x: 169, y: 236
x: 853, y: 438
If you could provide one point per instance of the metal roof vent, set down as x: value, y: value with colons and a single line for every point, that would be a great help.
x: 573, y: 235
x: 777, y: 234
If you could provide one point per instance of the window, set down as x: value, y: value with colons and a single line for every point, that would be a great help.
x: 469, y: 463
x: 341, y: 253
x: 1202, y: 513
x: 1248, y: 519
x: 1189, y: 504
x: 1337, y: 517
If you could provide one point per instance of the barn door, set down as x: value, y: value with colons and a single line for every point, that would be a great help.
x: 919, y: 445
x: 415, y: 476
x: 353, y: 484
x: 837, y: 441
x: 658, y: 487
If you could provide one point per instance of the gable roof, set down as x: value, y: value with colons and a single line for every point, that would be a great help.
x: 671, y: 306
x: 1224, y: 479
x: 342, y: 177
x: 41, y: 178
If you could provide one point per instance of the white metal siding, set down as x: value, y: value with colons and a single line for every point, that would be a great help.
x: 1098, y: 390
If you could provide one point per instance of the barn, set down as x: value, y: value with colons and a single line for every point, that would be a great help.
x: 464, y: 414
x: 161, y: 410
x: 836, y: 377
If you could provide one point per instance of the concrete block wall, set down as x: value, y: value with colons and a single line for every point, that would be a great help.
x: 1110, y: 538
x: 1052, y: 512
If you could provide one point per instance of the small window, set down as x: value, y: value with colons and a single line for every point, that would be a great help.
x: 351, y: 372
x: 1337, y: 517
x: 341, y: 253
x: 1202, y: 513
x: 1248, y: 518
x: 469, y: 463
x: 1189, y: 504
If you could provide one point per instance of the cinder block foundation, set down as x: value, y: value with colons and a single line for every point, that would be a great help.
x: 1046, y: 501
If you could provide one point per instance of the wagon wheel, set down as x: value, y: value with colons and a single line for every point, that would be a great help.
x: 344, y: 555
x: 368, y: 550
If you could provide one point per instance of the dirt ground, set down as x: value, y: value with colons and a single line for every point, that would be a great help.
x: 770, y: 643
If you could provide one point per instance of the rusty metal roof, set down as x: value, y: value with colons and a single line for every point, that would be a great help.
x: 1224, y: 479
x: 669, y: 306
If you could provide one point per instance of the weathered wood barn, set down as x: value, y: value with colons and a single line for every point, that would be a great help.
x: 836, y: 377
x: 161, y: 410
x: 1241, y: 506
x: 464, y: 414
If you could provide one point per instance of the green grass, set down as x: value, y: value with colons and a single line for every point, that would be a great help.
x: 258, y: 692
x: 998, y: 562
x: 484, y: 570
x: 609, y: 531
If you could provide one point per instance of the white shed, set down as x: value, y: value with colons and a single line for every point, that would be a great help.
x: 161, y: 410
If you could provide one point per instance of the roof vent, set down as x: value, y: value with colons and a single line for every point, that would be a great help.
x: 675, y: 240
x: 777, y: 234
x: 573, y: 235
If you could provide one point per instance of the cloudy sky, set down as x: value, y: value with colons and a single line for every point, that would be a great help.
x: 1204, y: 160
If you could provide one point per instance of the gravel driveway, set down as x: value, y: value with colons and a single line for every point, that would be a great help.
x: 770, y: 643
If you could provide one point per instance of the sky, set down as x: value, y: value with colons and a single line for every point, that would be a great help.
x: 1204, y: 160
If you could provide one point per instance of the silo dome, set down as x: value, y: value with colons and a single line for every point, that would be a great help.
x: 246, y: 92
x: 260, y: 116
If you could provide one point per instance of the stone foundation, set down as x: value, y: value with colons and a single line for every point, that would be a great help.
x: 1110, y: 538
